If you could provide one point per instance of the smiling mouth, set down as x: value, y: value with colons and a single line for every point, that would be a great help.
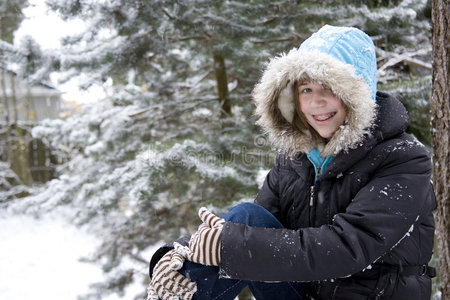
x: 324, y: 117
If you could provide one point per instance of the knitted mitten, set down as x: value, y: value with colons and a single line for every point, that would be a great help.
x: 167, y: 283
x: 204, y: 245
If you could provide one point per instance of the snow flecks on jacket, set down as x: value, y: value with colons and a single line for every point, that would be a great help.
x: 393, y: 191
x: 407, y: 234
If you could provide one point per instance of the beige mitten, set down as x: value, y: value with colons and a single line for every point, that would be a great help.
x: 169, y: 284
x: 204, y: 245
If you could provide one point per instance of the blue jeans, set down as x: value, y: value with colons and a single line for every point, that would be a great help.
x: 210, y: 286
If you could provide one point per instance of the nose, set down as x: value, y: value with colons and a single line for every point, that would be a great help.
x: 318, y: 99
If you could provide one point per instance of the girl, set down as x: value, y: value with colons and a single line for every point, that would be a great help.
x: 346, y: 211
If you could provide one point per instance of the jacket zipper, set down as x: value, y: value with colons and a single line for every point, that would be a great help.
x: 311, y: 198
x: 311, y: 204
x: 319, y: 169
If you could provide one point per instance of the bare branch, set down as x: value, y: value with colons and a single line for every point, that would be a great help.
x: 286, y: 39
x: 409, y: 58
x: 167, y: 13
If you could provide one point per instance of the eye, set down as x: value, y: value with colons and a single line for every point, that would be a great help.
x: 306, y: 90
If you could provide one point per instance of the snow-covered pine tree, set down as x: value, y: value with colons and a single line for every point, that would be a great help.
x: 172, y: 137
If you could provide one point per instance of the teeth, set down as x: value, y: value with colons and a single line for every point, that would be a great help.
x: 324, y: 117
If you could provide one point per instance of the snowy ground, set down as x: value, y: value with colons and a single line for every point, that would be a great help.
x: 39, y: 259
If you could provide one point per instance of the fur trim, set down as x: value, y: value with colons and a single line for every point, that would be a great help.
x: 286, y: 102
x: 274, y: 100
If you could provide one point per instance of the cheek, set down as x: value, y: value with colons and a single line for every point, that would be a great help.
x: 343, y: 108
x: 340, y: 106
x: 302, y: 106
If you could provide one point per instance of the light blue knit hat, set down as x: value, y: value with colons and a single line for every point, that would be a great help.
x: 350, y: 46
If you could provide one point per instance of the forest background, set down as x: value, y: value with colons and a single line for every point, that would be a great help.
x: 175, y: 128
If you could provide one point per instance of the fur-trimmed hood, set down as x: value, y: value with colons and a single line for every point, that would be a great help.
x: 342, y: 58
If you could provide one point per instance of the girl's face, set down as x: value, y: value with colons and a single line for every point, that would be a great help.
x: 324, y: 111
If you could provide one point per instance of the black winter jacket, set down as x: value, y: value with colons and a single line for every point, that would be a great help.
x: 364, y: 230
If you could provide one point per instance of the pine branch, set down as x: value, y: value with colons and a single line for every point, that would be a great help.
x: 138, y: 258
x: 393, y: 59
x: 275, y: 40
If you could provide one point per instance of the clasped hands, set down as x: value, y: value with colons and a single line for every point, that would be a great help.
x: 204, y: 248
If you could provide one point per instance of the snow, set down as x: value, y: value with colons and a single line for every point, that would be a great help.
x: 40, y: 259
x: 39, y: 21
x: 261, y: 177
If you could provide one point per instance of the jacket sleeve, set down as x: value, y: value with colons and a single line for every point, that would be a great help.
x: 382, y: 213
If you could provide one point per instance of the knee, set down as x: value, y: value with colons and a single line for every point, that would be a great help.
x: 248, y: 209
x: 253, y: 215
x: 248, y: 205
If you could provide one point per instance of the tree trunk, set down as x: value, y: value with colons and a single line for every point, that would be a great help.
x: 5, y: 97
x: 222, y: 84
x: 14, y: 105
x: 19, y: 143
x: 440, y: 129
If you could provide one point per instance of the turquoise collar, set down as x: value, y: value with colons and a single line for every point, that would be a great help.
x: 319, y: 163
